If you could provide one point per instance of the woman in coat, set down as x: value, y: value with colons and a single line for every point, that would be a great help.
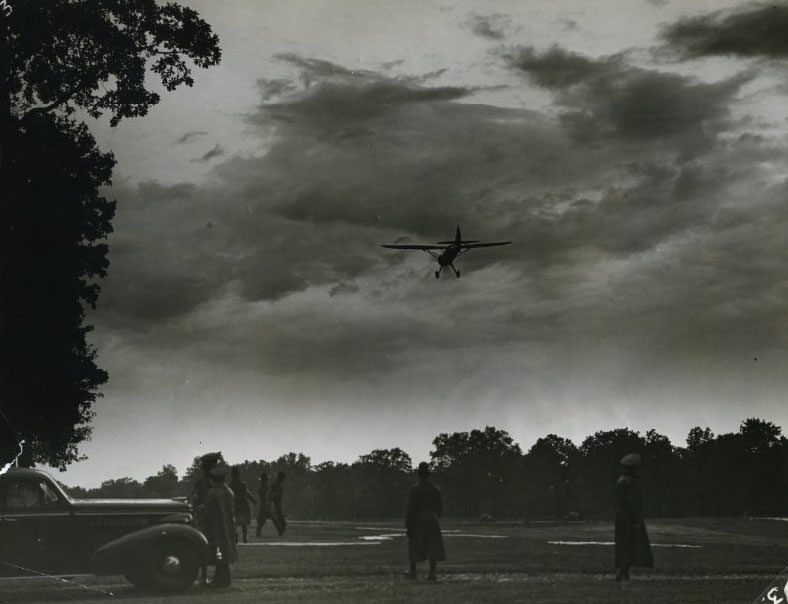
x: 425, y: 541
x: 632, y: 544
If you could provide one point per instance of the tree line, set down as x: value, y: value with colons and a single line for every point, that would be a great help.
x: 485, y: 474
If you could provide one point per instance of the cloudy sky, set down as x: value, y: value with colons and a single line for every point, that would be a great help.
x: 634, y: 152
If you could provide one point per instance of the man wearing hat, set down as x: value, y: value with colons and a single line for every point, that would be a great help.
x: 199, y: 495
x: 219, y: 526
x: 425, y: 541
x: 277, y: 492
x: 632, y: 544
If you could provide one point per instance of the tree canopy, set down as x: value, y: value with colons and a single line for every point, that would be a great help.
x: 57, y: 57
x: 95, y: 55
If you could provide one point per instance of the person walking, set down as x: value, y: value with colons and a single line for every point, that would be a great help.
x: 632, y: 544
x: 277, y: 492
x: 219, y: 527
x: 264, y: 505
x: 422, y: 523
x: 243, y: 499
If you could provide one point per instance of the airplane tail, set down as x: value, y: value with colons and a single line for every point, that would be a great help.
x: 458, y: 239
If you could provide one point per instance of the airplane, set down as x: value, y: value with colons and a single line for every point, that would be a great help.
x: 451, y: 250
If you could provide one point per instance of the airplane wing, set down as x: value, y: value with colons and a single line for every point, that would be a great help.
x: 415, y: 247
x: 490, y: 244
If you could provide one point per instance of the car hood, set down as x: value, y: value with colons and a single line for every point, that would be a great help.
x: 129, y: 505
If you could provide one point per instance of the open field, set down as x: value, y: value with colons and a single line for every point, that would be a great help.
x: 697, y: 560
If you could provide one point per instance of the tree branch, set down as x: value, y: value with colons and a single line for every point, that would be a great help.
x: 64, y: 98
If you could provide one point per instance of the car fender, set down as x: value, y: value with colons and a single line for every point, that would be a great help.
x: 116, y: 556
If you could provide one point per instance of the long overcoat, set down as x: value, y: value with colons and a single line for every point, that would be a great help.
x: 422, y: 522
x: 243, y: 510
x: 277, y: 514
x: 198, y: 497
x: 264, y: 505
x: 218, y: 523
x: 632, y: 544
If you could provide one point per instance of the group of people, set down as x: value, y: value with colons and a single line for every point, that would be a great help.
x: 270, y: 503
x: 221, y: 508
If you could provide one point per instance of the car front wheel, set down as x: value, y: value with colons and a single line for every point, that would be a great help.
x: 171, y: 567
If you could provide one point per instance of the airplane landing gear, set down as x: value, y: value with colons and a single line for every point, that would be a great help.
x: 437, y: 274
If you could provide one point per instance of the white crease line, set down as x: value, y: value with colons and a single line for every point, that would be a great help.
x: 480, y: 536
x: 7, y: 466
x: 684, y: 545
x: 309, y: 543
x: 387, y: 537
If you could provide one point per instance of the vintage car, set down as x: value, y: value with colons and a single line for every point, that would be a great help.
x: 43, y: 530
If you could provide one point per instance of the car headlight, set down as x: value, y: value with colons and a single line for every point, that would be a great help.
x: 180, y: 518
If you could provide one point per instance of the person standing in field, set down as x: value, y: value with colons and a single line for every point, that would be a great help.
x: 198, y: 496
x: 277, y: 492
x: 264, y: 505
x: 422, y: 522
x: 243, y: 510
x: 220, y: 527
x: 632, y: 544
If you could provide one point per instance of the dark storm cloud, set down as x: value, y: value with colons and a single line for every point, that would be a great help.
x: 386, y: 154
x: 273, y: 88
x: 357, y: 160
x: 607, y: 97
x: 336, y: 99
x: 492, y: 27
x: 344, y: 288
x: 378, y: 151
x: 190, y: 135
x: 558, y: 68
x: 317, y: 68
x: 216, y: 151
x: 392, y: 64
x: 177, y: 248
x: 354, y: 162
x: 156, y: 254
x: 755, y: 31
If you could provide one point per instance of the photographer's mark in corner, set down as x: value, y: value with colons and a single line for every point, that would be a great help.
x: 5, y: 8
x: 776, y: 592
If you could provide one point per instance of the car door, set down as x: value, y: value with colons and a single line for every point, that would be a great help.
x: 36, y: 528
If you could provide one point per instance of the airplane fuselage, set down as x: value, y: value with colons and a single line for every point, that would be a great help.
x: 447, y: 257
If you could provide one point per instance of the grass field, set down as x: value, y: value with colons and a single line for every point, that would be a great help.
x: 696, y: 560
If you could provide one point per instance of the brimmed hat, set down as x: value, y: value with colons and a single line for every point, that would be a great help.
x: 630, y: 460
x: 210, y: 459
x: 424, y: 469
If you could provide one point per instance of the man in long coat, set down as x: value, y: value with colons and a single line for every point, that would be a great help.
x: 632, y: 544
x: 243, y: 501
x: 198, y: 496
x: 422, y: 521
x: 264, y: 507
x: 219, y: 527
x: 277, y: 514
